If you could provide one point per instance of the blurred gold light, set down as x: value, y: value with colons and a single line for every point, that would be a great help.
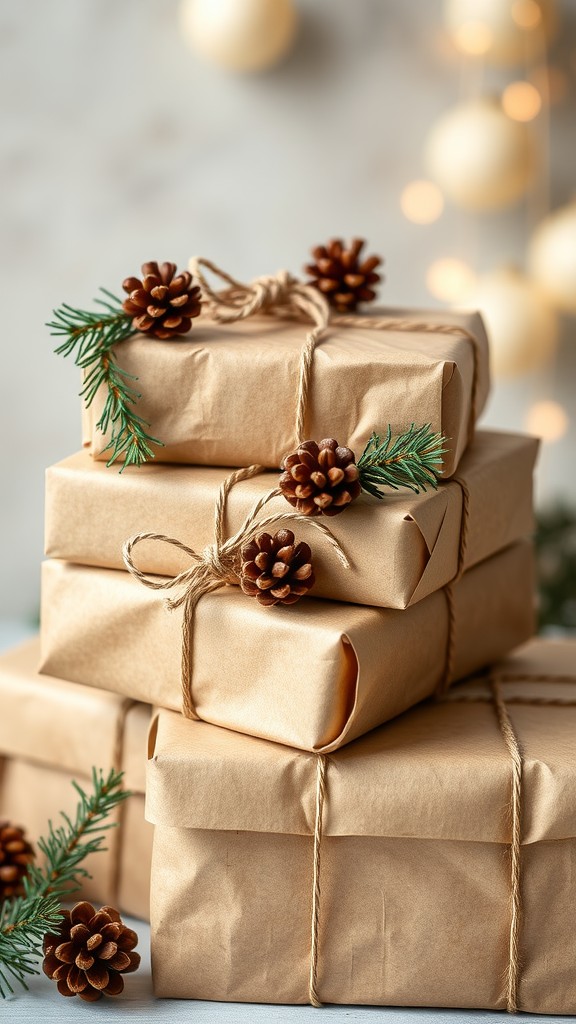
x: 449, y: 279
x: 521, y: 101
x: 526, y: 14
x: 558, y: 84
x: 422, y: 202
x: 473, y: 37
x: 547, y: 420
x: 551, y: 81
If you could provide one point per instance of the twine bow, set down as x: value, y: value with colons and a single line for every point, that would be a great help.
x: 281, y: 295
x: 216, y: 566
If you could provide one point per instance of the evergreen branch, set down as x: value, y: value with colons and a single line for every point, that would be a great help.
x: 91, y: 337
x: 25, y: 920
x: 23, y: 924
x: 412, y: 459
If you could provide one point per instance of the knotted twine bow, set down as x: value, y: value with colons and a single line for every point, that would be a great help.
x: 216, y: 566
x: 514, y: 749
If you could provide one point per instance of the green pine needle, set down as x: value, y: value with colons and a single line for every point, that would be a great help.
x: 412, y: 459
x: 25, y: 920
x: 91, y: 337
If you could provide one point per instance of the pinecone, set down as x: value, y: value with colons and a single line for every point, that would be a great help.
x: 15, y: 856
x: 320, y: 478
x: 275, y: 570
x: 90, y: 952
x: 161, y: 304
x: 342, y: 276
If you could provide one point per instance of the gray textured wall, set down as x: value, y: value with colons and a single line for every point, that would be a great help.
x: 118, y: 145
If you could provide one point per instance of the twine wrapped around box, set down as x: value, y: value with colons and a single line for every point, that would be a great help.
x: 458, y: 784
x: 452, y: 386
x: 284, y: 296
x: 217, y: 566
x: 515, y: 805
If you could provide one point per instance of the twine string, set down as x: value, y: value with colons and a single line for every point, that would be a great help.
x: 460, y: 695
x: 513, y: 747
x: 321, y: 769
x: 284, y: 296
x: 216, y: 566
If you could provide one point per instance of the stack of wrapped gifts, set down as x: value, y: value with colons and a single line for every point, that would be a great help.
x: 333, y: 819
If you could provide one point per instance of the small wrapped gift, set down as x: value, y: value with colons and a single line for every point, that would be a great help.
x: 227, y: 395
x: 314, y: 675
x: 53, y: 731
x: 90, y: 512
x: 430, y: 863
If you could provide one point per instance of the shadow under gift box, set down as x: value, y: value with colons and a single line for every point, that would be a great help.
x: 226, y: 395
x: 415, y: 878
x: 51, y: 732
x: 313, y: 675
x: 400, y: 549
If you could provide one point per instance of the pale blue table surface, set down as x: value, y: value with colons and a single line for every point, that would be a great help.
x: 43, y: 1005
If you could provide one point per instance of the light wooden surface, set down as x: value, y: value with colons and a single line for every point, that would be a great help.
x: 43, y: 1005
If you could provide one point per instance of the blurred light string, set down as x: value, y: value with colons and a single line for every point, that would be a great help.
x: 545, y: 414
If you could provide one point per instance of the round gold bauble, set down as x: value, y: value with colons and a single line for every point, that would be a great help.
x: 552, y: 258
x: 522, y: 327
x: 240, y: 35
x: 501, y: 31
x: 481, y: 159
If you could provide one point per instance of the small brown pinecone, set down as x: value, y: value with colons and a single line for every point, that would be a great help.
x: 275, y: 570
x: 90, y: 952
x: 342, y: 275
x: 320, y: 479
x: 161, y: 304
x: 15, y: 856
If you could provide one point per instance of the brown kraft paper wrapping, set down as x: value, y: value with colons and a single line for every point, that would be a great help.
x: 53, y: 731
x: 415, y: 878
x: 233, y: 389
x: 400, y: 549
x: 314, y: 675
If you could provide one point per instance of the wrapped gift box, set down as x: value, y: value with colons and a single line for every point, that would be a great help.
x: 90, y: 512
x: 314, y: 675
x: 51, y: 732
x: 226, y: 395
x: 412, y: 849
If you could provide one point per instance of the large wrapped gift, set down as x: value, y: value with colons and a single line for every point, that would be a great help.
x: 430, y: 863
x: 314, y: 675
x: 226, y: 395
x: 53, y: 731
x: 400, y: 549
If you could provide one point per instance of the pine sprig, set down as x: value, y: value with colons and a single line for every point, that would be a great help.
x: 23, y: 924
x: 91, y: 338
x: 25, y: 920
x: 412, y: 459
